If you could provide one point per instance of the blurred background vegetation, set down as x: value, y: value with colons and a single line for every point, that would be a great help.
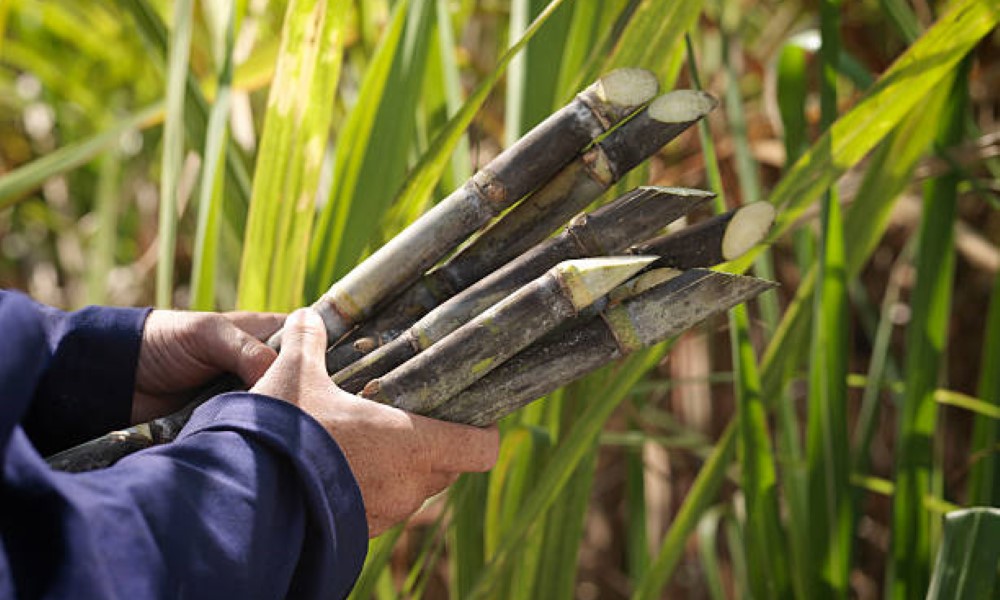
x: 244, y: 153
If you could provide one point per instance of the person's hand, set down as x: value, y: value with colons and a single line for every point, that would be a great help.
x: 399, y: 459
x: 183, y: 350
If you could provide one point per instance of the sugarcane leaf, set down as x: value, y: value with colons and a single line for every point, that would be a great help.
x: 572, y: 448
x: 966, y: 566
x: 173, y: 150
x: 984, y: 477
x: 903, y: 86
x: 210, y: 193
x: 699, y: 499
x: 926, y: 338
x: 425, y: 175
x: 533, y: 77
x: 379, y: 553
x: 764, y: 536
x: 153, y: 32
x: 286, y: 181
x: 372, y: 149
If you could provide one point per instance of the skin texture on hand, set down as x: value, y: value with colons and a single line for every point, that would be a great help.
x: 183, y: 350
x: 399, y: 459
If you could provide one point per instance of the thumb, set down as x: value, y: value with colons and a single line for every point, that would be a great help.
x: 304, y: 338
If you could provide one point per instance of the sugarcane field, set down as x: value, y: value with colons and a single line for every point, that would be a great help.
x: 500, y: 299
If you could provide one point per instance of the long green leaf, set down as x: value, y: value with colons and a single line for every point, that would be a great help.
x: 926, y: 335
x: 286, y: 181
x: 764, y: 538
x: 827, y: 442
x: 698, y: 500
x: 966, y: 567
x: 372, y: 150
x: 428, y: 171
x: 210, y: 192
x: 173, y: 150
x: 903, y: 86
x: 984, y: 477
x: 571, y: 450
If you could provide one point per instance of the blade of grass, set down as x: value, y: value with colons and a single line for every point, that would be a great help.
x: 425, y: 175
x: 373, y: 149
x: 651, y: 39
x: 969, y: 403
x: 699, y: 498
x: 101, y: 256
x: 572, y: 448
x: 296, y: 126
x: 153, y: 32
x: 173, y: 150
x: 564, y: 523
x: 460, y: 166
x: 379, y: 554
x: 888, y: 172
x: 636, y: 537
x: 764, y: 539
x: 210, y: 192
x: 966, y: 567
x: 467, y: 544
x: 903, y: 18
x: 589, y: 22
x: 709, y: 552
x: 984, y: 477
x: 827, y: 446
x: 909, y: 570
x: 533, y: 77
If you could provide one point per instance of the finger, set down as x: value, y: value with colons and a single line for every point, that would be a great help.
x: 304, y: 337
x: 236, y: 351
x: 459, y: 448
x: 259, y: 325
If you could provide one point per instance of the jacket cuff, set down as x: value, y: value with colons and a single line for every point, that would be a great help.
x: 89, y: 382
x: 331, y: 491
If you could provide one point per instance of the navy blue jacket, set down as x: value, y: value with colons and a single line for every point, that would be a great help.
x: 254, y: 500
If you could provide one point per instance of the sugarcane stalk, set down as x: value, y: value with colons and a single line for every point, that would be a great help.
x: 649, y: 318
x: 608, y: 230
x: 519, y: 170
x: 531, y: 221
x: 479, y: 346
x: 716, y: 240
x: 108, y: 449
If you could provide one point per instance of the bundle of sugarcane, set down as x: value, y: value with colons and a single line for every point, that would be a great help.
x: 512, y: 307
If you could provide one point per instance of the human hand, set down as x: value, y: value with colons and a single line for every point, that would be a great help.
x: 182, y: 350
x: 399, y: 459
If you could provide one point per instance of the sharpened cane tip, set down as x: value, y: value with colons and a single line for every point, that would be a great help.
x: 628, y: 86
x: 588, y: 279
x: 682, y: 106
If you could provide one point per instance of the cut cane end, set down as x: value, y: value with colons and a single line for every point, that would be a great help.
x: 371, y: 389
x: 682, y: 106
x: 748, y: 228
x: 627, y: 87
x: 588, y: 279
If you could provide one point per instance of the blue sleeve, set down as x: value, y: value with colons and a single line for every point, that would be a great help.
x: 254, y: 500
x: 84, y: 388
